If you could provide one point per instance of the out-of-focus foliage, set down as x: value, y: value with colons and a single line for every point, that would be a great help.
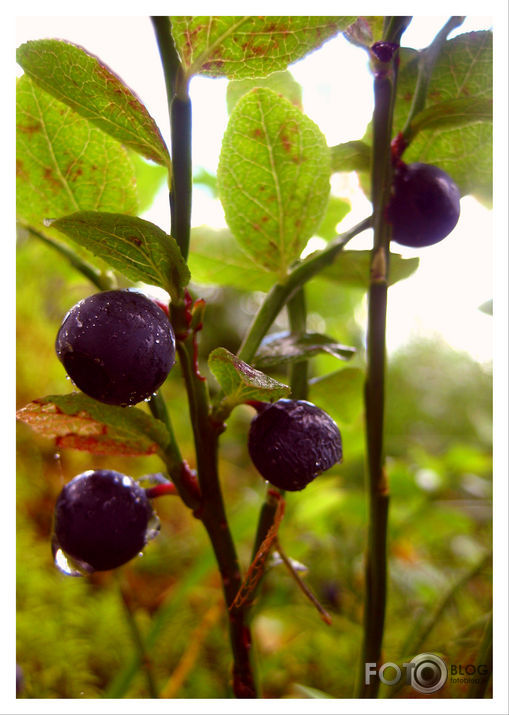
x: 74, y: 640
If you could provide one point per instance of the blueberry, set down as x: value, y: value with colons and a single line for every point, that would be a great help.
x: 102, y: 520
x: 117, y: 346
x: 425, y: 205
x: 292, y: 441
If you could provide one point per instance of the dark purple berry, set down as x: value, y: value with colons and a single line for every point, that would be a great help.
x: 384, y: 51
x: 425, y: 205
x: 292, y: 441
x: 117, y: 346
x: 102, y: 520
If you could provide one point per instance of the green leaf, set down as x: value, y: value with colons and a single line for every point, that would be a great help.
x: 287, y: 348
x: 463, y: 72
x: 205, y: 178
x: 340, y: 393
x: 79, y: 422
x: 273, y: 178
x: 241, y: 383
x: 454, y: 113
x: 353, y: 268
x: 248, y: 46
x: 336, y: 211
x: 351, y: 156
x: 215, y: 258
x: 91, y: 89
x: 149, y: 180
x: 281, y: 82
x: 135, y: 247
x: 64, y: 163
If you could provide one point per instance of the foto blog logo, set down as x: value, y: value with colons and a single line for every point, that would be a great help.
x: 426, y: 673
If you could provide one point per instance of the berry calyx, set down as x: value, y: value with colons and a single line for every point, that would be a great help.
x: 425, y: 205
x: 102, y: 520
x: 117, y: 346
x: 292, y: 441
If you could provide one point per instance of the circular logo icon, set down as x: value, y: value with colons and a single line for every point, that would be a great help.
x: 429, y: 673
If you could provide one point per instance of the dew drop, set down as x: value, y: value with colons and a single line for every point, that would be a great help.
x: 63, y: 564
x: 66, y: 564
x: 153, y: 528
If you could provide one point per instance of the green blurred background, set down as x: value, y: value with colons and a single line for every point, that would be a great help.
x: 75, y: 637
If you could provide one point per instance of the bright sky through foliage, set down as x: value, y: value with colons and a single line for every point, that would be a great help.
x: 455, y: 276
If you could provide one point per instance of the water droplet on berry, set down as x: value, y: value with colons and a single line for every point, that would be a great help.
x: 153, y: 527
x: 62, y: 563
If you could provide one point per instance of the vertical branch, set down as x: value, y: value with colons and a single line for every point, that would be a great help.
x: 181, y: 189
x: 179, y: 106
x: 206, y: 432
x: 213, y: 515
x: 384, y: 58
x: 297, y: 316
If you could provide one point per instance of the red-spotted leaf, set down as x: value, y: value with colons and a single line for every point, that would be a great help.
x: 64, y: 163
x: 273, y: 178
x: 280, y: 82
x: 249, y: 46
x: 81, y: 81
x: 137, y: 248
x: 77, y: 421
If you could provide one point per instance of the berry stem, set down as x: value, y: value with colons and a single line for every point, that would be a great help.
x: 297, y: 318
x: 161, y: 490
x: 385, y: 78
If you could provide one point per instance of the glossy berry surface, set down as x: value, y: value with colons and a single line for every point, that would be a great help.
x: 102, y: 520
x: 117, y: 346
x: 291, y: 442
x: 425, y: 205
